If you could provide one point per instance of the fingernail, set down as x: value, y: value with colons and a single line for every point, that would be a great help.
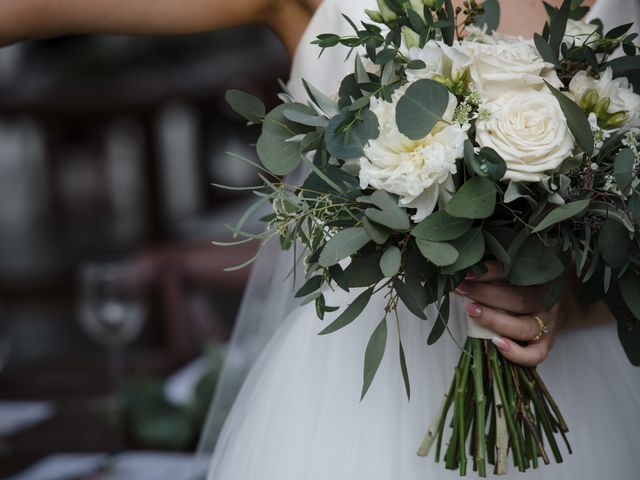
x: 501, y: 343
x: 464, y: 288
x: 470, y: 275
x: 473, y: 309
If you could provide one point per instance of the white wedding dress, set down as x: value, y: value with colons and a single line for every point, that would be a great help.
x: 298, y: 415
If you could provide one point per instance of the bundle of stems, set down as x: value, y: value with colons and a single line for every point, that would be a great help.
x: 497, y: 407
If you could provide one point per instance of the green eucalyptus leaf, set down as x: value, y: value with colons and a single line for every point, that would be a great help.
x: 363, y: 271
x: 562, y: 213
x: 576, y: 120
x: 614, y: 243
x: 278, y: 155
x: 438, y: 253
x: 623, y: 66
x: 346, y: 137
x: 492, y: 164
x: 373, y: 355
x: 421, y: 108
x: 394, y: 218
x: 413, y: 296
x: 404, y: 370
x: 534, y: 264
x: 381, y: 199
x: 475, y: 199
x: 545, y: 50
x: 490, y: 17
x: 559, y: 26
x: 344, y: 244
x: 326, y: 104
x: 305, y: 118
x: 312, y: 285
x: 350, y: 313
x: 496, y: 248
x: 440, y: 226
x: 391, y: 261
x: 246, y: 105
x: 623, y: 168
x: 377, y: 233
x: 440, y: 325
x: 605, y: 210
x: 472, y: 249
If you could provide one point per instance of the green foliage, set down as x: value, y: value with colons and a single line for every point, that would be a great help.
x: 561, y: 214
x: 534, y: 264
x: 344, y: 244
x: 277, y: 154
x: 374, y: 354
x: 614, y: 243
x: 421, y: 108
x: 440, y: 226
x: 475, y: 199
x: 391, y: 261
x: 349, y: 132
x: 438, y: 253
x: 246, y: 105
x: 472, y: 249
x: 352, y: 312
x: 576, y: 120
x: 490, y: 17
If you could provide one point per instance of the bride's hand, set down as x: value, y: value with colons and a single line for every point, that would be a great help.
x: 511, y: 312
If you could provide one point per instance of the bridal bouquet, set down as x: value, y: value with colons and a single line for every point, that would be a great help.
x: 449, y: 145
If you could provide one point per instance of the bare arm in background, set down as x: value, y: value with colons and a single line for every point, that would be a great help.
x: 33, y: 19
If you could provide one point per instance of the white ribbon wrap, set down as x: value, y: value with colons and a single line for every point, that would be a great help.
x: 475, y: 330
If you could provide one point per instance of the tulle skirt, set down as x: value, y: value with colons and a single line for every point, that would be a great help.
x: 299, y: 414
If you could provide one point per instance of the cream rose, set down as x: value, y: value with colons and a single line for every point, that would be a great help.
x: 440, y: 60
x: 418, y: 171
x: 529, y: 131
x: 578, y: 32
x: 511, y: 64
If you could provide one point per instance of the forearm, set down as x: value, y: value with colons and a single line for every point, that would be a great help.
x: 29, y: 19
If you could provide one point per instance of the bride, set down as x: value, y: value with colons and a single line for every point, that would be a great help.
x: 298, y: 415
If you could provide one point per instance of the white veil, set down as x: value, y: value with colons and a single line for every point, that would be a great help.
x: 269, y: 296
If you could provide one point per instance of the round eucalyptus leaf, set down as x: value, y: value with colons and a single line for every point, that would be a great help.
x: 278, y: 155
x: 421, y: 107
x: 346, y: 136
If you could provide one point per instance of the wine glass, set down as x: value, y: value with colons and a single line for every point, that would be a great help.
x: 111, y: 309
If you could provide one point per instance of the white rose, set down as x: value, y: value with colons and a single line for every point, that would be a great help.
x: 617, y: 90
x: 440, y: 60
x: 578, y: 32
x: 529, y: 131
x: 512, y: 63
x: 418, y: 171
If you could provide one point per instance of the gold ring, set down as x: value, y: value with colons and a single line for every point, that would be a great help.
x: 542, y: 328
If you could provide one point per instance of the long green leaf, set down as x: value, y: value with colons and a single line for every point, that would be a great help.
x: 440, y: 254
x: 373, y: 355
x: 576, y: 120
x: 413, y: 300
x: 440, y: 226
x: 390, y: 261
x: 562, y: 213
x: 350, y: 313
x: 344, y: 244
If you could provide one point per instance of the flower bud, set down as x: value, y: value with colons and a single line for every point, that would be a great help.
x: 589, y: 100
x: 429, y: 3
x: 418, y: 7
x: 602, y: 107
x: 374, y: 15
x: 616, y: 120
x: 386, y: 12
x: 411, y: 38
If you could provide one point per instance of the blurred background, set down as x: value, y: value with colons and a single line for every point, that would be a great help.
x: 114, y: 307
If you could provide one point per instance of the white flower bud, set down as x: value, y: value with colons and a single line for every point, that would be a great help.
x: 418, y: 7
x: 411, y: 38
x: 386, y: 12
